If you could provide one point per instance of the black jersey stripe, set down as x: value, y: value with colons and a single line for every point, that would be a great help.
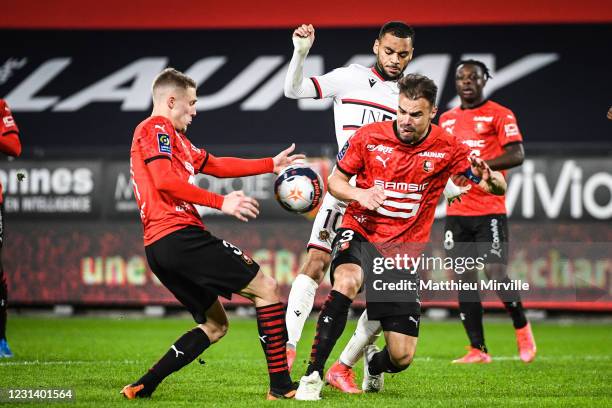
x: 204, y: 162
x: 161, y: 156
x: 344, y: 171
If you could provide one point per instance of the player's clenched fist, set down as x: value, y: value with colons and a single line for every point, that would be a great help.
x: 240, y: 206
x: 372, y: 198
x: 303, y: 38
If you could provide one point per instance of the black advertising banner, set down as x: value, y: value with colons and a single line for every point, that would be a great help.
x: 91, y: 88
x: 52, y: 189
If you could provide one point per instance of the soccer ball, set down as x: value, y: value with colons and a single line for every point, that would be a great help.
x: 298, y: 189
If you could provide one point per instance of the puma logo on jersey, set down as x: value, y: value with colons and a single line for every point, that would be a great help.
x: 327, y: 319
x: 412, y: 319
x: 162, y: 127
x: 383, y: 161
x: 372, y: 82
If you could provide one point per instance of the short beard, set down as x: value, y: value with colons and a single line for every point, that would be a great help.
x: 384, y: 74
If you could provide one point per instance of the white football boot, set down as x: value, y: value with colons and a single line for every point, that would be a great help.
x: 310, y: 387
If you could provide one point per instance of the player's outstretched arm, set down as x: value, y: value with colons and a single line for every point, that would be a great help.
x: 296, y: 86
x: 235, y: 203
x: 491, y: 181
x: 339, y: 186
x: 236, y: 167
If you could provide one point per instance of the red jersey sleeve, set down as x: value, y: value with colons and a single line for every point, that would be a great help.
x: 507, y: 128
x: 9, y: 132
x: 350, y: 159
x: 236, y: 167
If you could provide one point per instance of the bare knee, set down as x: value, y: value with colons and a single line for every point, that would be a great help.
x: 316, y: 264
x: 214, y: 330
x: 401, y: 359
x: 269, y: 286
x: 347, y: 281
x: 266, y: 288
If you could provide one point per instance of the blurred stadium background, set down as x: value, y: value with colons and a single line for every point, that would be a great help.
x: 77, y: 77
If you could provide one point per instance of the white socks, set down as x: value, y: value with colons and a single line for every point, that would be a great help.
x: 366, y: 333
x: 299, y: 306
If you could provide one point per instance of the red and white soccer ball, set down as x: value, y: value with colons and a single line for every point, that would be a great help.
x: 298, y: 189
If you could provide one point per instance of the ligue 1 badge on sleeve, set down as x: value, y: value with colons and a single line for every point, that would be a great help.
x: 163, y: 140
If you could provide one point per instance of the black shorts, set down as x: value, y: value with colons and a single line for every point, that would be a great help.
x: 197, y: 267
x: 484, y: 236
x: 350, y: 247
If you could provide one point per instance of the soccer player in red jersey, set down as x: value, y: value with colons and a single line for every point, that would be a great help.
x: 401, y: 167
x: 11, y: 146
x: 361, y: 95
x: 477, y: 226
x: 194, y: 265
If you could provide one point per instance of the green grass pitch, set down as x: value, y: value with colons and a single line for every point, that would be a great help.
x: 97, y: 356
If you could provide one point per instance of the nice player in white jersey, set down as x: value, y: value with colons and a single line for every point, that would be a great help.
x: 361, y: 95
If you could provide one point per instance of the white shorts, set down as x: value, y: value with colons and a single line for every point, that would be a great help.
x: 327, y: 221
